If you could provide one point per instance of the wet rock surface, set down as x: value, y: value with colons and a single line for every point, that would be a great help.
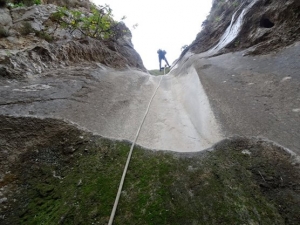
x: 113, y: 103
x: 256, y: 96
x: 266, y: 26
x: 253, y: 95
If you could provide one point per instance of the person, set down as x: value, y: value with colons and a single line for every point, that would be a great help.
x: 162, y: 56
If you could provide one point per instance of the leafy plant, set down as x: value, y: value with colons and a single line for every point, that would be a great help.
x: 12, y: 5
x: 98, y: 24
x: 22, y: 3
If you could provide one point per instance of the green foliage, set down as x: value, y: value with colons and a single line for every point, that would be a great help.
x: 98, y: 24
x: 22, y: 3
x: 236, y: 43
x: 223, y: 186
x: 37, y: 2
x: 4, y: 32
x: 26, y: 28
x: 158, y: 72
x: 16, y: 5
x: 217, y: 19
x: 44, y: 35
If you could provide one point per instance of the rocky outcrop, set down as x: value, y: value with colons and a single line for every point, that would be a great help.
x: 45, y: 45
x: 45, y: 56
x: 5, y: 18
x: 262, y: 25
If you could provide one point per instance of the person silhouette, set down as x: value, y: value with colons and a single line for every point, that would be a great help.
x: 162, y: 56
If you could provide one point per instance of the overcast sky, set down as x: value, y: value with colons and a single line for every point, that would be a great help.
x: 165, y: 24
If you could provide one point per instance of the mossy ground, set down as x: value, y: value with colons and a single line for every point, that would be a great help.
x: 75, y: 179
x: 157, y: 72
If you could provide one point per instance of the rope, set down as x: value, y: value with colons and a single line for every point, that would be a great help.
x: 113, y: 212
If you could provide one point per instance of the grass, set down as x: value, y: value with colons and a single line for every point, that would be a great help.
x: 157, y: 72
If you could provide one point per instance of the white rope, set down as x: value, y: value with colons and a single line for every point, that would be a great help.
x: 113, y: 212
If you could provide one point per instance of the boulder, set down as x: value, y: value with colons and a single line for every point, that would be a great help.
x: 5, y: 18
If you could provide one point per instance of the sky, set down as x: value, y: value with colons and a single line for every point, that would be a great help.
x: 164, y: 24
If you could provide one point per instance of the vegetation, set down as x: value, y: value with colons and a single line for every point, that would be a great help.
x: 98, y: 24
x: 44, y: 35
x: 226, y: 186
x: 67, y: 176
x: 157, y: 72
x: 4, y: 32
x: 19, y: 3
x: 26, y: 28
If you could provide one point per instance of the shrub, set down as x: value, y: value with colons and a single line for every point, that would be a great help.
x: 99, y: 24
x: 26, y: 28
x: 4, y: 32
x: 20, y: 3
x: 44, y: 35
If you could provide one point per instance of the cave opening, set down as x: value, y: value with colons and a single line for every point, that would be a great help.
x: 266, y: 23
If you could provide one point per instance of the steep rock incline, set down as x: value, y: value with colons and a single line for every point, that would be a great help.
x: 251, y: 95
x: 265, y: 26
x: 112, y: 103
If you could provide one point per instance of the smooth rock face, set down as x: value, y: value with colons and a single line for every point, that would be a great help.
x: 113, y: 104
x: 255, y: 96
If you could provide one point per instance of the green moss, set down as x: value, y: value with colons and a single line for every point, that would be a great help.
x: 157, y: 72
x: 218, y: 187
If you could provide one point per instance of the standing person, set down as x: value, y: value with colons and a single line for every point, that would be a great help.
x: 162, y: 56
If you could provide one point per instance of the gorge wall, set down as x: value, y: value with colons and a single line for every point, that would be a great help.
x: 220, y: 140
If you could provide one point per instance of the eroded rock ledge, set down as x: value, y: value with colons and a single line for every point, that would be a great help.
x: 24, y: 56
